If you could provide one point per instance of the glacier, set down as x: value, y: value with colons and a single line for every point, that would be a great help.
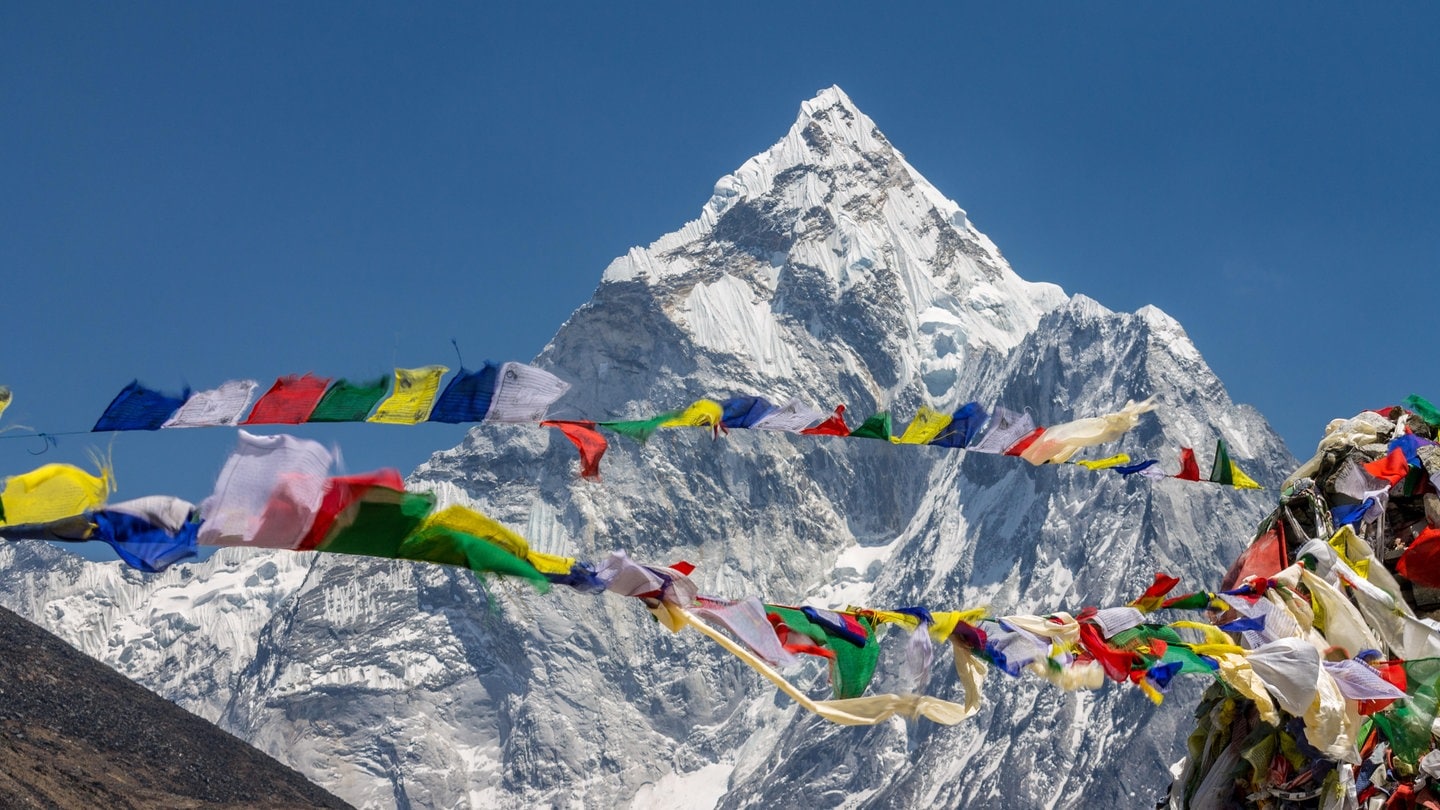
x: 825, y: 268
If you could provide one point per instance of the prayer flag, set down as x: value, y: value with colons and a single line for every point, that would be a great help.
x: 1220, y: 472
x: 701, y: 413
x: 267, y: 494
x: 793, y: 417
x: 524, y: 394
x: 1265, y: 557
x: 414, y: 393
x: 5, y: 397
x: 218, y: 406
x: 446, y: 546
x: 376, y: 523
x: 834, y: 426
x: 1422, y: 408
x: 52, y: 492
x: 1138, y: 467
x: 348, y: 402
x: 1025, y: 442
x: 587, y: 440
x: 1104, y: 463
x: 744, y: 412
x: 1421, y: 561
x: 1060, y: 442
x: 467, y: 398
x: 876, y: 427
x: 926, y: 425
x: 290, y: 400
x: 1189, y: 469
x: 1006, y: 427
x: 1392, y: 467
x: 139, y: 408
x: 143, y: 544
x: 341, y: 493
x: 641, y: 429
x: 965, y: 424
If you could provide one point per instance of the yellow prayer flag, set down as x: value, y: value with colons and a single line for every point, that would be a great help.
x: 926, y: 426
x: 413, y: 397
x: 701, y: 413
x: 1240, y: 480
x: 5, y: 397
x: 468, y: 521
x: 947, y: 620
x: 1352, y: 551
x: 550, y: 563
x: 52, y: 492
x: 1105, y: 463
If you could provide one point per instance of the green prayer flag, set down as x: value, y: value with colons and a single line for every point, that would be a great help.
x: 349, y: 402
x: 853, y: 667
x: 439, y: 544
x: 640, y: 429
x: 1406, y: 724
x: 377, y: 524
x: 1220, y: 471
x: 1422, y: 408
x: 876, y: 427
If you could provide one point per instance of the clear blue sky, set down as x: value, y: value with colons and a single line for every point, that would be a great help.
x: 194, y: 192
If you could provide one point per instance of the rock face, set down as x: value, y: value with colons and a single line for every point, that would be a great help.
x: 827, y: 269
x: 75, y: 734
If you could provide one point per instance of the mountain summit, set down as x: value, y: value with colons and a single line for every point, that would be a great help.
x: 826, y: 250
x: 825, y: 268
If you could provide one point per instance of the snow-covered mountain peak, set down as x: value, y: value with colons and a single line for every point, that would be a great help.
x: 829, y: 246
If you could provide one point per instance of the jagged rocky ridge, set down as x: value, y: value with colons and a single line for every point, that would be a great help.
x: 825, y: 268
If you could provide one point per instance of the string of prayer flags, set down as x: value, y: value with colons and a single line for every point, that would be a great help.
x: 519, y: 393
x: 274, y: 492
x: 510, y: 392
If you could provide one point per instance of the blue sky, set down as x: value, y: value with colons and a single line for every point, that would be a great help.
x: 197, y: 192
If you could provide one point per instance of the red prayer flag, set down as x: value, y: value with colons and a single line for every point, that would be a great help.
x: 1152, y: 598
x: 834, y: 426
x: 1393, y: 467
x: 1265, y: 557
x: 1189, y: 470
x: 1393, y: 672
x: 1118, y: 664
x: 587, y: 440
x: 289, y: 401
x: 1421, y: 561
x: 1019, y: 447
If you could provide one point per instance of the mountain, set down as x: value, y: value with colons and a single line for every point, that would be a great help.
x: 76, y: 734
x: 828, y: 269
